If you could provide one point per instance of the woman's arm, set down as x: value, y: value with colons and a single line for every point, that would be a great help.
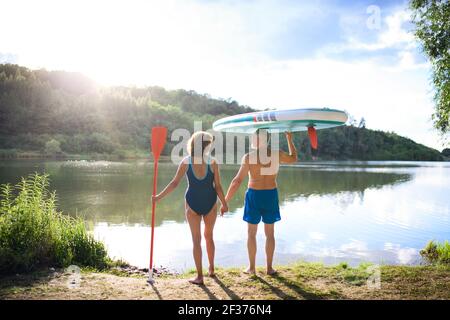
x: 292, y: 156
x: 174, y: 183
x: 218, y: 187
x: 237, y: 180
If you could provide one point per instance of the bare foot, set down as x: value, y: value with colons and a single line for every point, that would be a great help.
x: 250, y: 271
x: 211, y: 273
x: 197, y: 281
x: 271, y: 271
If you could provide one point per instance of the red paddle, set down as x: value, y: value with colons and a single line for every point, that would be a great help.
x: 312, y: 133
x: 159, y: 135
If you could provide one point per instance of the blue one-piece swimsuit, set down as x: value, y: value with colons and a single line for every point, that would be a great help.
x: 201, y: 195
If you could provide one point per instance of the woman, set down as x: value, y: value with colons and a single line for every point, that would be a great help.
x: 204, y: 186
x: 261, y: 198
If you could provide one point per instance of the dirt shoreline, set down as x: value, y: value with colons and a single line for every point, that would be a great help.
x: 297, y: 281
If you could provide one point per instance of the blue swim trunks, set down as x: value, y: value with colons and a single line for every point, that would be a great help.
x: 261, y: 204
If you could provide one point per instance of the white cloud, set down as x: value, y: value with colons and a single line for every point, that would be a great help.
x: 355, y: 246
x: 392, y: 35
x: 395, y: 32
x: 404, y: 255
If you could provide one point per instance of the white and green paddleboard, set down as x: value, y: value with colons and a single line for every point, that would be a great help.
x: 282, y: 120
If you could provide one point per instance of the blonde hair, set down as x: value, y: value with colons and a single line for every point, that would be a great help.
x: 199, y: 138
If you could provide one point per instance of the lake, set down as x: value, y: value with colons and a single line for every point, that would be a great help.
x: 380, y: 212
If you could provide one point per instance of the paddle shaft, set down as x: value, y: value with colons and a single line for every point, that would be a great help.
x: 155, y: 180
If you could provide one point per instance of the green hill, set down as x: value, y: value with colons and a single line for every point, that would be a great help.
x: 63, y: 113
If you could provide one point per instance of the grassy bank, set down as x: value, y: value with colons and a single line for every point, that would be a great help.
x: 34, y: 234
x: 297, y: 281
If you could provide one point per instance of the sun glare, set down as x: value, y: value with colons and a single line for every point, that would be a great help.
x: 115, y: 42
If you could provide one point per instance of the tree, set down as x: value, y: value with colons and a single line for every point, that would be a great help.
x: 52, y: 116
x: 362, y: 123
x: 446, y: 152
x: 351, y: 120
x: 52, y: 147
x: 432, y: 20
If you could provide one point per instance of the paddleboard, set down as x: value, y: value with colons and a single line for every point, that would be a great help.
x: 282, y: 120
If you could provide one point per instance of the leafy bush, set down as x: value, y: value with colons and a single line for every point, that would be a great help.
x: 436, y: 253
x: 34, y: 234
x: 52, y: 147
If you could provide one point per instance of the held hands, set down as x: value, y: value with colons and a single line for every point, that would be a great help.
x: 223, y: 209
x: 156, y: 198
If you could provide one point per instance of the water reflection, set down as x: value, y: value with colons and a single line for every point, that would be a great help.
x: 382, y: 212
x: 116, y: 192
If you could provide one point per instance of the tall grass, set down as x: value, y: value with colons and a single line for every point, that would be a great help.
x: 33, y: 233
x: 436, y: 253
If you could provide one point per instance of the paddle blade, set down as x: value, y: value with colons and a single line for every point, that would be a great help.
x: 159, y: 136
x: 312, y: 133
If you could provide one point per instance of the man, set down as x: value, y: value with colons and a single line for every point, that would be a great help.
x: 261, y: 198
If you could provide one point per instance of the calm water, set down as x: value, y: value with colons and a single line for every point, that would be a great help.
x: 382, y: 212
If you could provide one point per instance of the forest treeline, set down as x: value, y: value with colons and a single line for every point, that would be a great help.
x: 63, y: 113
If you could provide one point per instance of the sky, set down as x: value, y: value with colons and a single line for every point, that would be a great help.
x: 358, y: 56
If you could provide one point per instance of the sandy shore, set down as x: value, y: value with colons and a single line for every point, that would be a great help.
x: 297, y: 281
